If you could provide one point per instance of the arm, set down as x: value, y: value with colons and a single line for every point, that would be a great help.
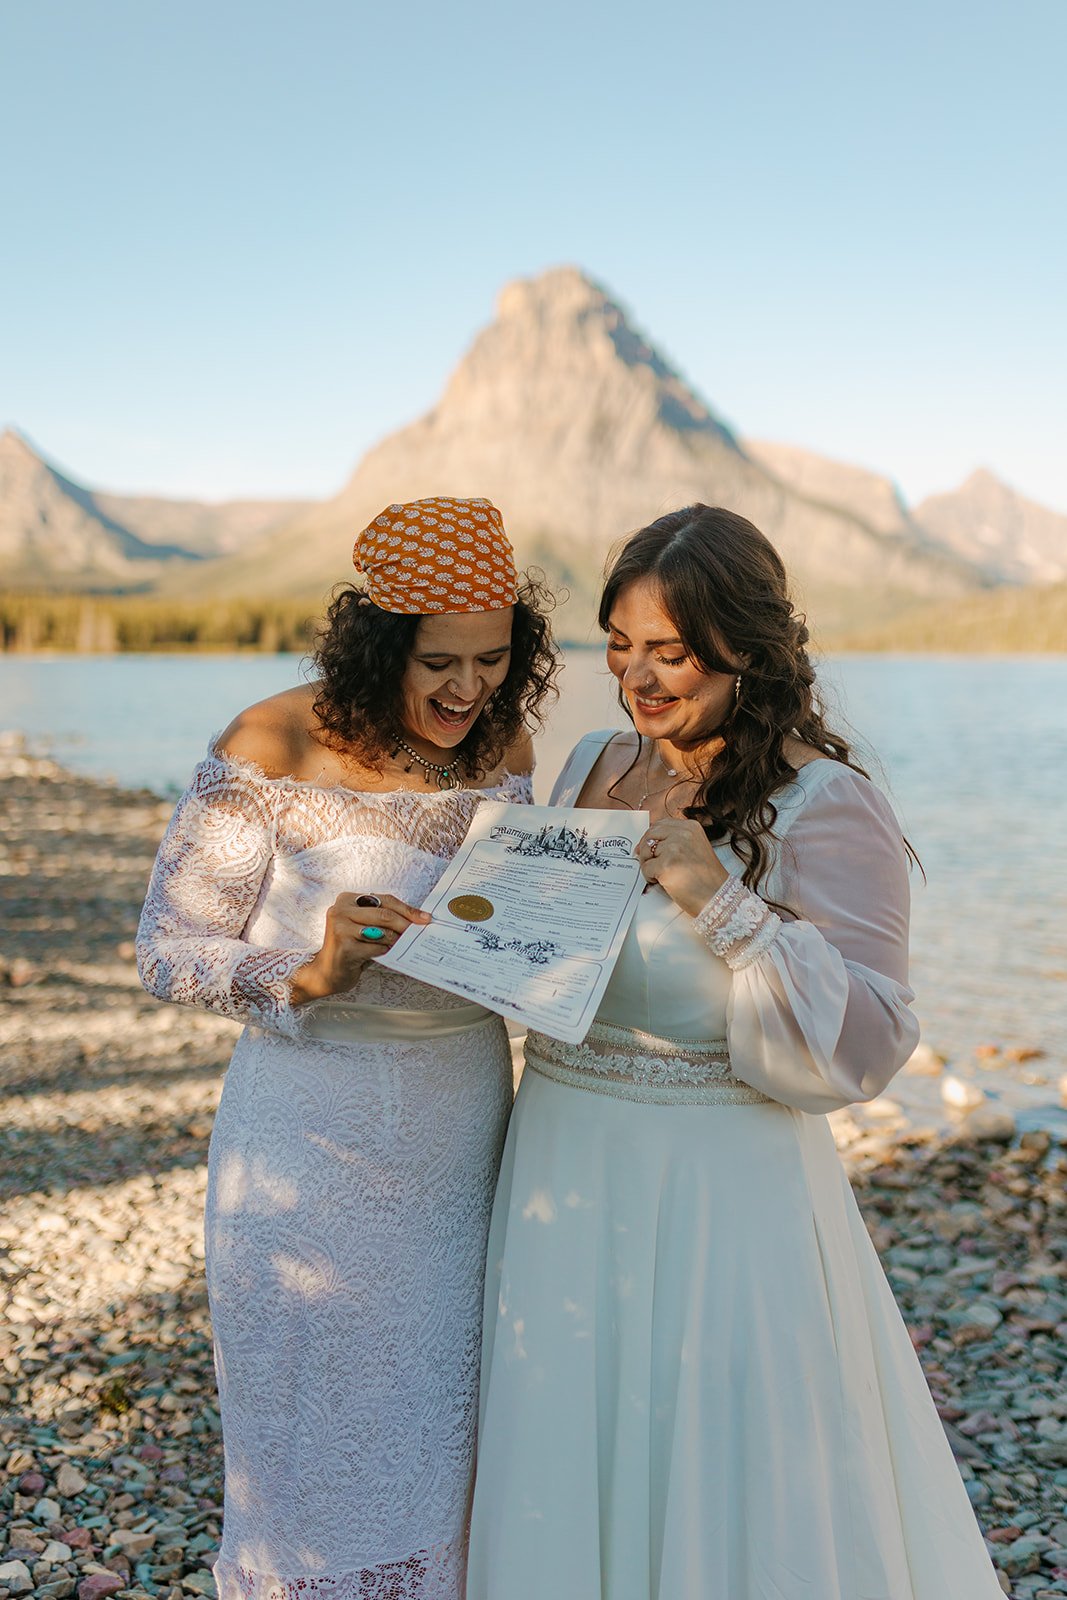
x: 819, y: 1012
x: 204, y: 886
x: 521, y: 758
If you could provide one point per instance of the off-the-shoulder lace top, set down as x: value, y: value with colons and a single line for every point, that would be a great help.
x: 250, y: 864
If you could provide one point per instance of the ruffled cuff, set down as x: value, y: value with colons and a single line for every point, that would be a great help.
x: 264, y: 983
x: 737, y: 924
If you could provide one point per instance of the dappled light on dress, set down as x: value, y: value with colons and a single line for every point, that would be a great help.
x: 350, y: 1184
x: 738, y: 1410
x: 540, y: 1206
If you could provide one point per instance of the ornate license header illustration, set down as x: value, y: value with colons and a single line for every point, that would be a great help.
x: 563, y: 843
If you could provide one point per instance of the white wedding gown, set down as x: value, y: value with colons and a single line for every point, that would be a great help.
x: 696, y: 1384
x: 350, y: 1180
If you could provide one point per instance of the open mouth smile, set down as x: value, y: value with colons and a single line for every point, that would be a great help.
x: 451, y: 714
x: 652, y: 707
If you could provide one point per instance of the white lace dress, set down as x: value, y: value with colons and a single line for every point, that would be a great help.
x: 695, y: 1383
x: 349, y: 1188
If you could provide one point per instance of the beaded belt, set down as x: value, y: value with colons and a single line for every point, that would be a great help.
x: 632, y: 1065
x: 342, y: 1023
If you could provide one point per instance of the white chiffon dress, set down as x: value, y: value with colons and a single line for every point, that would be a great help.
x: 696, y: 1384
x: 350, y: 1181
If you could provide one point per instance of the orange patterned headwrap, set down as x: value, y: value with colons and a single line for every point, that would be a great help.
x: 438, y: 555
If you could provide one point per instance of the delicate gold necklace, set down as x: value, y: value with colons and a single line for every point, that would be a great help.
x: 446, y: 776
x: 672, y: 772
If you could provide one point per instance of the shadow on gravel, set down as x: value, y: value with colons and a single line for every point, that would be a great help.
x: 55, y: 1160
x: 61, y: 1078
x: 143, y: 1360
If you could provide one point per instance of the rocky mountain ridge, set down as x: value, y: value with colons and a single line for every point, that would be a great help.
x: 56, y: 533
x: 579, y: 430
x: 999, y: 529
x: 566, y: 416
x: 1003, y: 534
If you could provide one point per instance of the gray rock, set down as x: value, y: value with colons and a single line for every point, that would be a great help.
x: 16, y: 1577
x: 200, y: 1582
x: 1022, y: 1556
x: 69, y: 1481
x: 975, y: 1321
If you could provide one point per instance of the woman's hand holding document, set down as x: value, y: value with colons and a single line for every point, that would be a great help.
x: 530, y: 915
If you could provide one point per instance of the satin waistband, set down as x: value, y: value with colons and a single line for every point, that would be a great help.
x: 339, y: 1022
x: 631, y: 1065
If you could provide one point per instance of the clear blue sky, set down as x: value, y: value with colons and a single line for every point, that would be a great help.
x: 244, y: 241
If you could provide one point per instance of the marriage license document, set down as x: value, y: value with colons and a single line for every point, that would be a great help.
x: 530, y: 915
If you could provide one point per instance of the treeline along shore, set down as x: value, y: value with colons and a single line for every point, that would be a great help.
x: 106, y: 624
x: 110, y: 1452
x: 1007, y: 621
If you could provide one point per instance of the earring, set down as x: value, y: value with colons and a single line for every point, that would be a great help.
x: 737, y: 688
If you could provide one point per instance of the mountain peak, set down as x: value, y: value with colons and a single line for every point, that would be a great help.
x: 555, y: 290
x: 989, y: 522
x: 562, y: 350
x: 564, y: 291
x: 983, y: 478
x: 15, y: 447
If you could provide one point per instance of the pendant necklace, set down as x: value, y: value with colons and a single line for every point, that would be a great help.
x: 672, y: 772
x: 445, y: 777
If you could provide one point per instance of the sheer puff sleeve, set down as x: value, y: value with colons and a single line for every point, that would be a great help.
x: 206, y: 881
x: 819, y: 1010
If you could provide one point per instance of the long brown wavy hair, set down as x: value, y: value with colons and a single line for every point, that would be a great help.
x: 361, y: 655
x: 723, y: 585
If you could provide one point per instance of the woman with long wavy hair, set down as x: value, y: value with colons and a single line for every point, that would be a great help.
x: 695, y: 1382
x: 356, y: 1146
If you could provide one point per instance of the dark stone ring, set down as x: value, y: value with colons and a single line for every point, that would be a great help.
x: 367, y: 900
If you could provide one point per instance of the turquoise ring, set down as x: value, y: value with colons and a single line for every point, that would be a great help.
x: 373, y: 934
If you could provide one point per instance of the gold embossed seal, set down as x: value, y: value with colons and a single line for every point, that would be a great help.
x: 471, y: 907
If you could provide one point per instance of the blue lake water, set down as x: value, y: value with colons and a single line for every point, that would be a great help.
x: 972, y: 750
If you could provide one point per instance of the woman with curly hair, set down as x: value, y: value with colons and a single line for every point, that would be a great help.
x: 353, y: 1159
x: 695, y: 1382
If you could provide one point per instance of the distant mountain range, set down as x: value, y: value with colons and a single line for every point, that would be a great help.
x: 580, y: 431
x: 58, y: 535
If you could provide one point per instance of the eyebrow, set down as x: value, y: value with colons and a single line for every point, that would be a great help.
x: 653, y: 644
x: 448, y: 655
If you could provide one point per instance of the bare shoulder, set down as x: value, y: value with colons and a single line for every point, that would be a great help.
x: 274, y: 734
x: 520, y: 757
x: 799, y: 754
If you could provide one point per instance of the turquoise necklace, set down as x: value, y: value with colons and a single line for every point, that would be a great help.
x: 445, y: 776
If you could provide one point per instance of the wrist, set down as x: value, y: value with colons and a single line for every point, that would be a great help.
x: 307, y: 984
x: 701, y: 886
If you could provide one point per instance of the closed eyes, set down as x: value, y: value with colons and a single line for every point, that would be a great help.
x: 664, y: 661
x: 438, y: 663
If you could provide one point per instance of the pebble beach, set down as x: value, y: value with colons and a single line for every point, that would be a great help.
x: 110, y: 1450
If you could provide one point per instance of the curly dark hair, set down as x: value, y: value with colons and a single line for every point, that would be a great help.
x: 723, y: 585
x: 361, y: 655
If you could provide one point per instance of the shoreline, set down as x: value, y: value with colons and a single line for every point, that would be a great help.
x: 109, y: 1434
x: 946, y: 1090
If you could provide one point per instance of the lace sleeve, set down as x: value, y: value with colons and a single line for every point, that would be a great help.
x: 738, y: 925
x: 205, y: 883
